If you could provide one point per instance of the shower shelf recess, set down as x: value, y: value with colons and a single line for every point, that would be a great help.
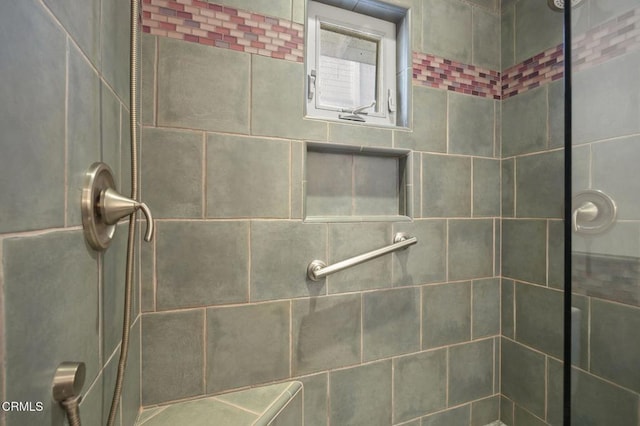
x: 349, y: 183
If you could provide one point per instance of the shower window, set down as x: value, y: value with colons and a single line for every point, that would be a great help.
x: 351, y: 66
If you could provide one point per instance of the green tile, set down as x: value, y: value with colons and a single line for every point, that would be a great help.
x: 555, y: 401
x: 277, y: 103
x: 201, y: 263
x: 536, y: 18
x: 171, y: 170
x: 507, y: 312
x: 361, y: 135
x: 203, y: 88
x: 131, y: 401
x: 523, y: 376
x: 506, y: 410
x: 51, y: 309
x: 539, y: 185
x: 471, y: 125
x: 329, y: 184
x: 200, y: 413
x: 447, y: 30
x: 315, y: 399
x: 275, y: 8
x: 247, y: 177
x: 486, y: 187
x: 507, y: 35
x: 446, y: 186
x: 608, y: 11
x: 539, y: 318
x: 148, y: 57
x: 326, y: 333
x: 485, y: 411
x: 556, y: 114
x: 255, y: 399
x: 446, y: 314
x: 486, y: 307
x: 419, y: 384
x: 524, y: 122
x: 423, y: 262
x: 361, y: 395
x: 391, y: 323
x: 470, y: 371
x: 486, y: 37
x: 115, y: 23
x: 470, y: 249
x: 524, y: 250
x: 247, y: 345
x: 525, y: 418
x: 82, y: 21
x: 297, y: 177
x: 376, y: 185
x: 429, y: 131
x: 454, y: 416
x: 172, y: 355
x: 33, y: 79
x: 292, y: 413
x: 508, y: 187
x: 555, y: 258
x: 114, y: 262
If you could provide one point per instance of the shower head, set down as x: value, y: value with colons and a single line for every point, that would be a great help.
x: 558, y: 5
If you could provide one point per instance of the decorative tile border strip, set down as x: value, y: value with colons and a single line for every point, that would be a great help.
x: 433, y: 71
x: 215, y: 25
x: 543, y: 68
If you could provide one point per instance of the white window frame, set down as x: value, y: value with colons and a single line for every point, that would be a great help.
x: 384, y: 113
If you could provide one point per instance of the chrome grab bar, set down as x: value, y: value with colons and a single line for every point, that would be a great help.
x: 317, y: 269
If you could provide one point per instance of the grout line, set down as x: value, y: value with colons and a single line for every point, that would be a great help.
x: 156, y: 64
x: 204, y: 175
x: 446, y: 398
x: 472, y: 161
x: 471, y: 286
x: 204, y: 351
x: 66, y: 134
x: 546, y: 387
x: 154, y: 273
x: 249, y: 260
x: 100, y: 270
x: 362, y: 327
x: 290, y: 179
x: 290, y: 338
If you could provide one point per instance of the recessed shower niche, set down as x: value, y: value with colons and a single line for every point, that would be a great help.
x: 345, y: 183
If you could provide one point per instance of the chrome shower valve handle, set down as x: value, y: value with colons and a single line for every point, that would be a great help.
x: 103, y: 206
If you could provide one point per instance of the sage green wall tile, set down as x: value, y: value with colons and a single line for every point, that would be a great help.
x: 281, y: 273
x: 485, y: 411
x: 508, y: 187
x: 471, y: 125
x: 429, y: 129
x: 601, y: 12
x: 598, y: 402
x: 554, y: 391
x: 329, y: 184
x: 446, y: 186
x: 247, y: 177
x: 315, y: 399
x: 486, y: 187
x: 470, y: 371
x: 50, y: 286
x: 539, y: 318
x: 614, y: 349
x: 423, y: 262
x: 486, y: 307
x: 114, y: 263
x: 524, y: 250
x: 171, y: 172
x: 419, y: 384
x: 454, y: 416
x: 524, y: 122
x: 556, y: 114
x: 298, y: 11
x: 609, y: 107
x: 131, y: 400
x: 148, y: 58
x: 508, y: 308
x: 247, y: 345
x: 446, y: 314
x: 172, y: 355
x: 486, y: 37
x: 199, y: 413
x: 256, y: 399
x: 361, y: 395
x: 580, y: 320
x: 580, y: 168
x: 525, y: 418
x: 277, y: 101
x: 613, y: 167
x: 358, y: 134
x: 491, y: 5
x: 376, y: 185
x: 291, y: 414
x: 506, y: 410
x: 203, y: 88
x: 620, y: 240
x: 84, y: 128
x: 391, y: 323
x: 297, y: 177
x: 32, y: 163
x: 507, y: 35
x: 275, y: 8
x: 539, y: 185
x: 326, y: 333
x: 536, y: 17
x: 82, y: 21
x: 351, y: 239
x: 201, y: 263
x: 447, y: 30
x: 555, y: 259
x: 110, y: 149
x: 470, y: 249
x: 523, y: 376
x: 115, y: 26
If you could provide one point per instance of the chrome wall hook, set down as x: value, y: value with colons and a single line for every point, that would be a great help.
x: 103, y: 206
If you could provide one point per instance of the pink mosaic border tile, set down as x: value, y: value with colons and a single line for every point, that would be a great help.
x: 215, y: 25
x: 440, y: 73
x: 543, y: 68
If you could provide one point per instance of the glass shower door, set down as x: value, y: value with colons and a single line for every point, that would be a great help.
x: 605, y: 249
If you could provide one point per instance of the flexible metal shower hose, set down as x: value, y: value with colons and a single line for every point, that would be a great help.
x: 133, y: 108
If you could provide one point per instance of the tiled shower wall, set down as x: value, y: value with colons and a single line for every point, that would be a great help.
x: 605, y: 384
x: 64, y: 85
x: 407, y: 336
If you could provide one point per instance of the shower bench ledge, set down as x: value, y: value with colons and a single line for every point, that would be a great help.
x: 272, y: 405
